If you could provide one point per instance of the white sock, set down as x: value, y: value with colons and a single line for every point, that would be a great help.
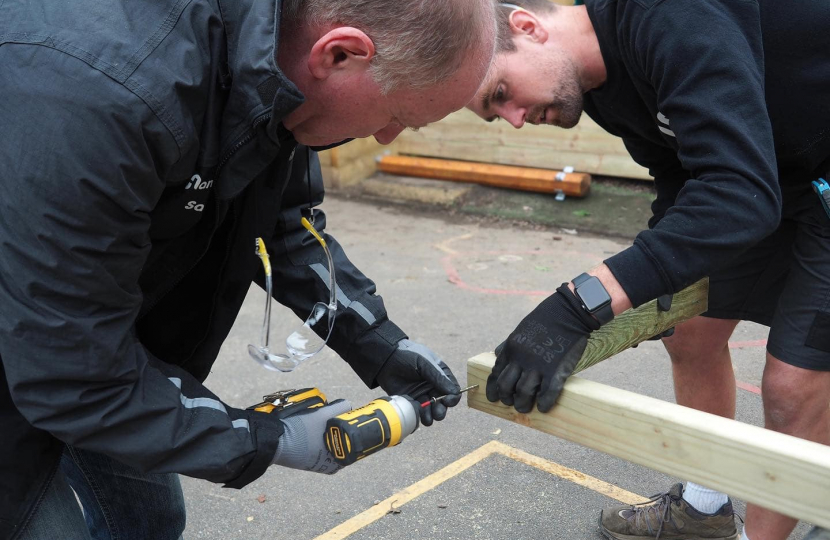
x: 704, y: 499
x: 743, y: 535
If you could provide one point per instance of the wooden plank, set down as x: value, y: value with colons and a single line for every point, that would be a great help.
x: 325, y: 158
x: 467, y: 117
x: 637, y: 325
x: 349, y: 173
x: 522, y: 178
x: 586, y: 137
x: 352, y: 162
x: 525, y: 156
x: 462, y: 135
x: 776, y: 471
x: 360, y: 148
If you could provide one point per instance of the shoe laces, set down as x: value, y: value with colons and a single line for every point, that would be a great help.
x: 658, y: 507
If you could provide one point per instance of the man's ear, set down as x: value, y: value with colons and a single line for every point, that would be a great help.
x: 525, y: 23
x: 343, y: 48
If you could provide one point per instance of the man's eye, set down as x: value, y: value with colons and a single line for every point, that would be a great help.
x: 499, y: 95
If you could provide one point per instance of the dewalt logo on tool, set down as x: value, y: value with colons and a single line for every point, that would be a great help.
x: 336, y: 445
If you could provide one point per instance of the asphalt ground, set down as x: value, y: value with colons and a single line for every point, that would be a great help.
x: 458, y: 280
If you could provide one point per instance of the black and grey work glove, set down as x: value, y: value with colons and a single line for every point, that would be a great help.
x: 415, y: 371
x: 541, y: 353
x: 302, y: 445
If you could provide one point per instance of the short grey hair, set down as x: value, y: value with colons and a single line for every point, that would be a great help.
x: 504, y: 41
x: 418, y: 43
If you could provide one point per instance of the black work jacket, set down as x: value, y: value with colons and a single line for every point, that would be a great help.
x: 141, y: 153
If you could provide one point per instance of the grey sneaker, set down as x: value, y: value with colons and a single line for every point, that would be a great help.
x: 669, y: 517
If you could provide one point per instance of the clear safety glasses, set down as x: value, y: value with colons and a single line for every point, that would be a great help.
x: 303, y: 343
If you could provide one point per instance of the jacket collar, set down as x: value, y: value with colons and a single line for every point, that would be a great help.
x: 259, y: 97
x: 258, y: 85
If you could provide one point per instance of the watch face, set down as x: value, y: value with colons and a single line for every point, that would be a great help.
x: 593, y: 294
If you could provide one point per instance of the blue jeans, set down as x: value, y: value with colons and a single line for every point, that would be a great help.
x: 119, y: 503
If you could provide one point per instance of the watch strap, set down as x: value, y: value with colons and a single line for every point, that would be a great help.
x: 580, y: 279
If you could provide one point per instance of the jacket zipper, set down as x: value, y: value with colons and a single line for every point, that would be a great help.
x: 242, y: 142
x: 228, y: 248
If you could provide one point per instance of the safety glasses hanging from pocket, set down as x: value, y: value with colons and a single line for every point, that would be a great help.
x: 304, y: 342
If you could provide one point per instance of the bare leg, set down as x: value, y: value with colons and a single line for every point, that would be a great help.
x: 796, y: 402
x: 702, y: 366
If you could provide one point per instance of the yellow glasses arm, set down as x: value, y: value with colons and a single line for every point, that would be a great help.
x: 262, y: 253
x: 313, y: 231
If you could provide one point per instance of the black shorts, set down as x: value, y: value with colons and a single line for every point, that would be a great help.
x: 784, y: 283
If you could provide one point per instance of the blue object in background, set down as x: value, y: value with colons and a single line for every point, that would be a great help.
x: 822, y: 189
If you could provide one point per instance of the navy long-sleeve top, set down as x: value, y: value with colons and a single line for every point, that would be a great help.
x: 727, y: 103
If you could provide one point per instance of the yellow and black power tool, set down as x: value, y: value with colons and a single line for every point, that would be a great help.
x: 288, y: 402
x: 384, y: 422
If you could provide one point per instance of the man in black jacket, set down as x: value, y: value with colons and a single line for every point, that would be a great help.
x: 144, y: 147
x: 725, y: 103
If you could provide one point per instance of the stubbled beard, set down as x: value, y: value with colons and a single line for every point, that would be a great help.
x: 570, y: 111
x: 568, y: 100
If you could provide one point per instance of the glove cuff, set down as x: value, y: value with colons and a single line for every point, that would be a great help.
x: 368, y: 353
x: 266, y: 433
x: 574, y: 305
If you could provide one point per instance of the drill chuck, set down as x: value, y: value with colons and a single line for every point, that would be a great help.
x: 383, y: 422
x: 408, y: 413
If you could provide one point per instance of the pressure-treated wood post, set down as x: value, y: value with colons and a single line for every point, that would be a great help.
x: 637, y: 325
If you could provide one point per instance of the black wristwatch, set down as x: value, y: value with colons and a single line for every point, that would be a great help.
x: 595, y: 299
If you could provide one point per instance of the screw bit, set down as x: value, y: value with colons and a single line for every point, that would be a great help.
x: 441, y: 398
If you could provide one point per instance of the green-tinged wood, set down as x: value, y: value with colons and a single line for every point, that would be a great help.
x: 637, y: 325
x: 777, y: 471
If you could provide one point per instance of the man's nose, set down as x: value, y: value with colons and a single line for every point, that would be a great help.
x: 389, y: 133
x: 515, y: 116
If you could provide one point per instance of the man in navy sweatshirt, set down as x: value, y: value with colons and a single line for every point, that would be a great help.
x: 726, y: 104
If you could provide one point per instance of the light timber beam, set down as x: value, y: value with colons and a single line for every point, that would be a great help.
x: 777, y: 471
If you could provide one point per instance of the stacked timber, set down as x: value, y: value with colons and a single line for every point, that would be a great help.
x: 351, y: 162
x: 464, y: 136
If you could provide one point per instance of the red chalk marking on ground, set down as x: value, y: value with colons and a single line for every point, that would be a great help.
x: 747, y: 344
x: 454, y: 277
x: 748, y: 387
